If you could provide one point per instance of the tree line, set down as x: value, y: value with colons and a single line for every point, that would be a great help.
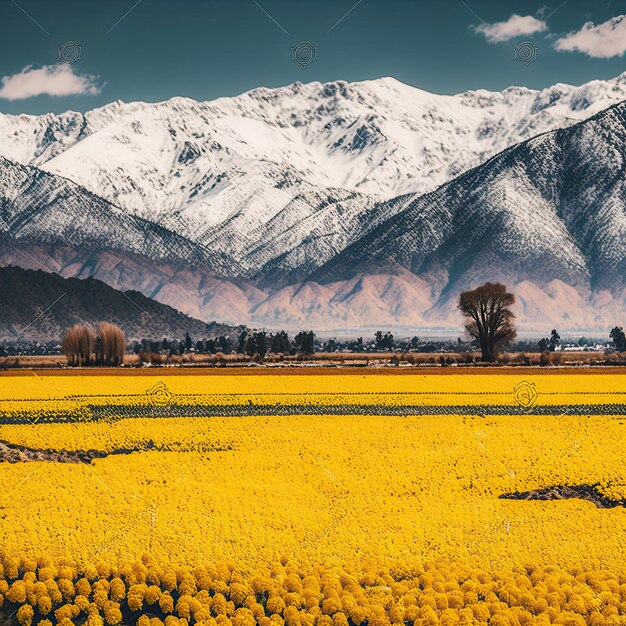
x: 489, y: 324
x: 260, y: 343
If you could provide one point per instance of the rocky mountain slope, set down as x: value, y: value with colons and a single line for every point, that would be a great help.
x: 197, y: 291
x: 255, y: 176
x: 39, y: 207
x: 548, y: 214
x: 272, y: 208
x: 38, y: 306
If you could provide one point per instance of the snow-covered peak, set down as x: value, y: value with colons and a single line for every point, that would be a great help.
x: 288, y: 188
x: 236, y: 164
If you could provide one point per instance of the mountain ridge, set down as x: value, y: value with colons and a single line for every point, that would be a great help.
x: 36, y: 205
x: 550, y: 173
x: 219, y: 171
x: 277, y: 210
x: 41, y: 305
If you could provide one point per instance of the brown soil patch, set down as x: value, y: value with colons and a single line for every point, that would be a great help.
x: 565, y: 492
x: 13, y: 453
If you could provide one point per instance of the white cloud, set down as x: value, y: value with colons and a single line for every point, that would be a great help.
x: 51, y: 80
x: 603, y: 41
x: 515, y: 26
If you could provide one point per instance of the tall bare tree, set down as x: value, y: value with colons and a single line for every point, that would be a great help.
x: 78, y: 344
x: 487, y: 310
x: 110, y: 344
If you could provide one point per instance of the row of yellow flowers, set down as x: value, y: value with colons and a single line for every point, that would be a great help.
x: 148, y: 594
x: 370, y: 498
x: 47, y: 394
x: 319, y: 489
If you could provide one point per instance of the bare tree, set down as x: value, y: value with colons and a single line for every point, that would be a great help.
x: 78, y: 344
x: 110, y: 344
x: 489, y: 317
x: 81, y: 344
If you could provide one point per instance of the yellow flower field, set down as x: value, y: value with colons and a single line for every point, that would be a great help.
x: 325, y: 518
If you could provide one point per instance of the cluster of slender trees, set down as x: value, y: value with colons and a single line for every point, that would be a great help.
x: 173, y: 347
x: 259, y: 343
x: 85, y: 345
x: 248, y: 342
x: 489, y: 322
x: 551, y: 343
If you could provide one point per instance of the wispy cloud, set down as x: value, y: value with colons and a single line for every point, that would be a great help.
x: 51, y: 80
x: 603, y: 41
x: 515, y: 26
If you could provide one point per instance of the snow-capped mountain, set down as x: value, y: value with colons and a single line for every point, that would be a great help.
x: 285, y: 192
x: 42, y: 208
x: 255, y: 175
x: 547, y: 215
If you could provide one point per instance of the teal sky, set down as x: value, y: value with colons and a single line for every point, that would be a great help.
x: 210, y: 48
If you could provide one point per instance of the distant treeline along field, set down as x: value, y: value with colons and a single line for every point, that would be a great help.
x: 490, y: 337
